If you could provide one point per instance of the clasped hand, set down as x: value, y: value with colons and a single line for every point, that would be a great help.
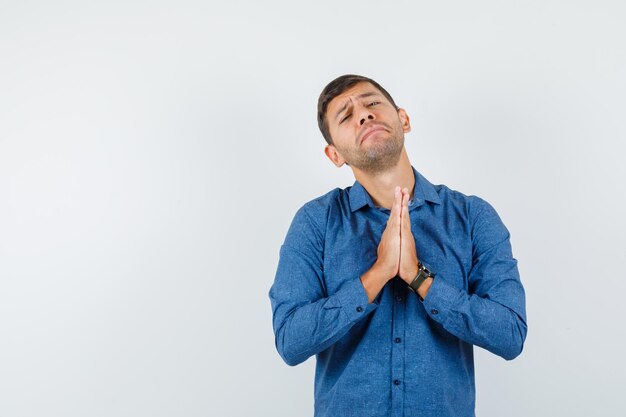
x: 396, y: 251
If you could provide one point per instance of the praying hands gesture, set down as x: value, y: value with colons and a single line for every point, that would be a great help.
x: 396, y: 251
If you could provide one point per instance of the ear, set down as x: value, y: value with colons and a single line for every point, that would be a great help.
x: 335, y: 157
x: 406, y: 121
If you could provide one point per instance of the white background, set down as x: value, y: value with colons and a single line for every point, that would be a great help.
x: 153, y: 154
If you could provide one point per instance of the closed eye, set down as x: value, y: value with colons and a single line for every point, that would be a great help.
x: 373, y: 103
x: 346, y: 117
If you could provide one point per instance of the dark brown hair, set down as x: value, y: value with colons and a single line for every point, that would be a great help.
x: 335, y: 88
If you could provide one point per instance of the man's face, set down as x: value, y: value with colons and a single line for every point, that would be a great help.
x: 366, y: 129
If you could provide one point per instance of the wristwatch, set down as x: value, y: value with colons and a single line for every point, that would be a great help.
x: 423, y: 272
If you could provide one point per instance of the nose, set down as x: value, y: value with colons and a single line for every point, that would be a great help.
x: 365, y: 116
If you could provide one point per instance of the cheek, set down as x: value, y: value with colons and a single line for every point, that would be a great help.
x: 334, y: 133
x: 341, y: 136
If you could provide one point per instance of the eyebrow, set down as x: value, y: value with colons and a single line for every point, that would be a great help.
x: 360, y: 96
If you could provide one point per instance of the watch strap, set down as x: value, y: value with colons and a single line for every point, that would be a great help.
x: 422, y: 274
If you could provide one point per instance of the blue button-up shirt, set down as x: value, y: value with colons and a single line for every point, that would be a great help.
x: 397, y: 356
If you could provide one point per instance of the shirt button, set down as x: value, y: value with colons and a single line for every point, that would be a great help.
x: 397, y: 340
x: 396, y: 382
x: 359, y: 309
x: 398, y: 298
x: 434, y: 311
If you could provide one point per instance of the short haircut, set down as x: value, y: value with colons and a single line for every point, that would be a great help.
x: 337, y: 87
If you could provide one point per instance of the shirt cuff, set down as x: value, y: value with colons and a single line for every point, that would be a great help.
x: 353, y: 300
x: 440, y: 300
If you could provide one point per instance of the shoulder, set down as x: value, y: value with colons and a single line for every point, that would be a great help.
x: 319, y: 207
x: 476, y: 212
x: 472, y: 205
x: 448, y: 200
x: 313, y: 216
x: 324, y: 202
x: 480, y: 218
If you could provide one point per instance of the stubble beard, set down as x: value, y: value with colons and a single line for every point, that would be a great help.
x: 377, y: 157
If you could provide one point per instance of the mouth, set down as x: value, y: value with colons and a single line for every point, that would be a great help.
x: 369, y: 132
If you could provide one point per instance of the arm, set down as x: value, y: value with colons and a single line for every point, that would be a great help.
x: 306, y: 319
x: 492, y: 313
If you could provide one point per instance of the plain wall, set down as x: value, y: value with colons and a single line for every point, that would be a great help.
x: 153, y: 154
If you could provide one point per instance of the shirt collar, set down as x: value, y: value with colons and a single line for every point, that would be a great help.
x: 423, y: 191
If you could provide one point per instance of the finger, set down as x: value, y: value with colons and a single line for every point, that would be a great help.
x: 405, y: 197
x: 394, y: 216
x: 398, y: 203
x: 406, y: 219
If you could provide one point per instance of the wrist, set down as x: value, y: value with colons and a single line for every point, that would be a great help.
x: 422, y: 291
x: 373, y: 281
x: 408, y: 274
x: 382, y: 271
x: 419, y: 284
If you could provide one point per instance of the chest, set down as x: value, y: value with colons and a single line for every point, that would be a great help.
x: 442, y: 240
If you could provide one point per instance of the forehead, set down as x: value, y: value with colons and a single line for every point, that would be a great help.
x: 353, y: 93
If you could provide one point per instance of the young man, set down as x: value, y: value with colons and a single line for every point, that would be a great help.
x: 392, y: 281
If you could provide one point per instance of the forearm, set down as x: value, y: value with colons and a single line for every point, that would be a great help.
x: 311, y: 328
x: 489, y: 309
x: 422, y: 291
x: 373, y: 282
x: 480, y: 321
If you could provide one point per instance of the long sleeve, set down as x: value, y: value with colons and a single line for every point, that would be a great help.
x: 306, y: 319
x: 491, y: 314
x: 375, y: 359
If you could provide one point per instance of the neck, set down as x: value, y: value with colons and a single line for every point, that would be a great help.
x: 380, y: 186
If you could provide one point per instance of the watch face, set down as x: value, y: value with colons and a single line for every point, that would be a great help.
x: 427, y: 269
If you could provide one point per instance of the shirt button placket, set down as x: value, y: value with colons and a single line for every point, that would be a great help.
x: 397, y: 353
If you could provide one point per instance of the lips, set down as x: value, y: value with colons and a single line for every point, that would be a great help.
x: 370, y: 131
